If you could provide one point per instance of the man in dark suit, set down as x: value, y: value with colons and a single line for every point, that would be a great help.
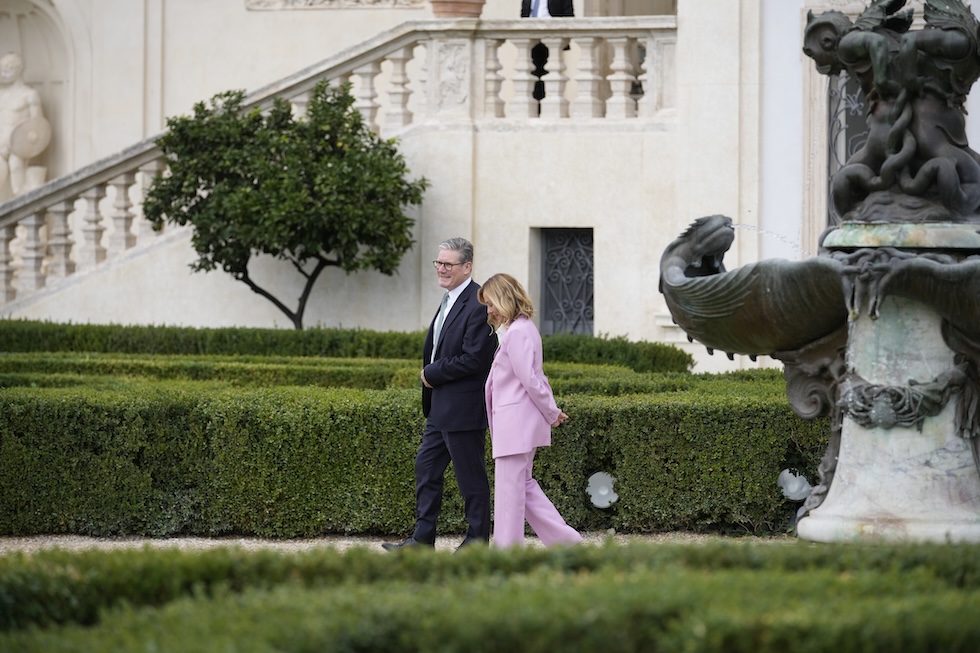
x: 539, y: 53
x: 457, y: 354
x: 555, y: 7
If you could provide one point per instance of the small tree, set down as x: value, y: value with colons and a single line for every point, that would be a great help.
x: 316, y: 192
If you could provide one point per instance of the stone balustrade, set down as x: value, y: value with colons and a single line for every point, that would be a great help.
x: 440, y: 73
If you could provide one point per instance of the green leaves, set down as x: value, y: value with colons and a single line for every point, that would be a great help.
x: 324, y: 190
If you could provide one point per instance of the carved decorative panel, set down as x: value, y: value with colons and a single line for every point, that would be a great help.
x: 454, y: 71
x: 261, y: 5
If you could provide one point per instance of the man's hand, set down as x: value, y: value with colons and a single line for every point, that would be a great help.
x: 426, y: 383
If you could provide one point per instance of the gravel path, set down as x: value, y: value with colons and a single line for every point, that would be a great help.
x: 78, y: 543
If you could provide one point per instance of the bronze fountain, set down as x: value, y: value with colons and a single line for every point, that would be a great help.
x: 881, y: 330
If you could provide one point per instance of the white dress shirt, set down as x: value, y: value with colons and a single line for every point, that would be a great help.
x: 539, y: 9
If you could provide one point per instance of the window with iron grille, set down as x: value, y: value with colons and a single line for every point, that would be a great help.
x: 567, y: 280
x: 848, y: 128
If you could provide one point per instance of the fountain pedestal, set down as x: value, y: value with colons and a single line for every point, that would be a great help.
x: 899, y: 482
x: 881, y: 330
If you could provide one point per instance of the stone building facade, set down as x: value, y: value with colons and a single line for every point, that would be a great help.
x: 657, y: 112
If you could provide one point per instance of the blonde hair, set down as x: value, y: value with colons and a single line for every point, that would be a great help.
x: 508, y: 298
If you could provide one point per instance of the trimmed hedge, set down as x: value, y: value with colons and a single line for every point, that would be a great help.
x: 44, y: 369
x: 719, y: 597
x: 168, y: 459
x: 207, y: 444
x: 154, y: 458
x: 34, y: 336
x: 28, y: 335
x: 639, y: 356
x: 61, y: 369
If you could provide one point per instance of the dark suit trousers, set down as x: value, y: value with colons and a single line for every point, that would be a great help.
x: 467, y: 451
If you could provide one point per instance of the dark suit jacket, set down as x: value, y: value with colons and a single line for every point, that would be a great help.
x: 555, y: 8
x: 456, y: 402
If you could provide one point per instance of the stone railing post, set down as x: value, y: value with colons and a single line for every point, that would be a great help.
x: 554, y: 104
x: 366, y: 94
x: 59, y: 240
x: 299, y: 104
x: 30, y: 279
x: 91, y: 252
x: 523, y: 104
x: 657, y: 76
x: 122, y: 237
x: 398, y: 115
x: 621, y: 78
x: 7, y: 291
x: 587, y: 103
x: 493, y: 106
x: 148, y: 172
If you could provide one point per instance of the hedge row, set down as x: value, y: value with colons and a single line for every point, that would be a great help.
x: 159, y: 459
x: 27, y: 336
x: 54, y: 369
x: 728, y: 597
x: 60, y: 369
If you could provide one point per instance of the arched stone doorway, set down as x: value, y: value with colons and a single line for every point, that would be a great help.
x: 32, y: 29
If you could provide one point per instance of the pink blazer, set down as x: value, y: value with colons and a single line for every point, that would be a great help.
x: 520, y: 404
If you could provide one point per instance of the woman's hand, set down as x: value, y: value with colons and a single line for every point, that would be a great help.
x: 561, y: 418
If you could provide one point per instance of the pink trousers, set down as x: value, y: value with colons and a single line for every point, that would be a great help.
x: 516, y: 497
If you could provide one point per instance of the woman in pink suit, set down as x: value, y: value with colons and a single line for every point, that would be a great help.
x: 522, y: 411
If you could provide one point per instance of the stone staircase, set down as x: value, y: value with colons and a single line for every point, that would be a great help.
x: 615, y: 72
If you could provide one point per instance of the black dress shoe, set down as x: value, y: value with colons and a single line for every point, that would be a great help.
x: 471, y: 541
x: 404, y: 544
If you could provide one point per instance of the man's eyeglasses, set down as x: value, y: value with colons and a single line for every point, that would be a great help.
x: 443, y: 264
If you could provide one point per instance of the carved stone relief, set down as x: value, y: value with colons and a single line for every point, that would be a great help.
x: 453, y: 74
x: 259, y: 5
